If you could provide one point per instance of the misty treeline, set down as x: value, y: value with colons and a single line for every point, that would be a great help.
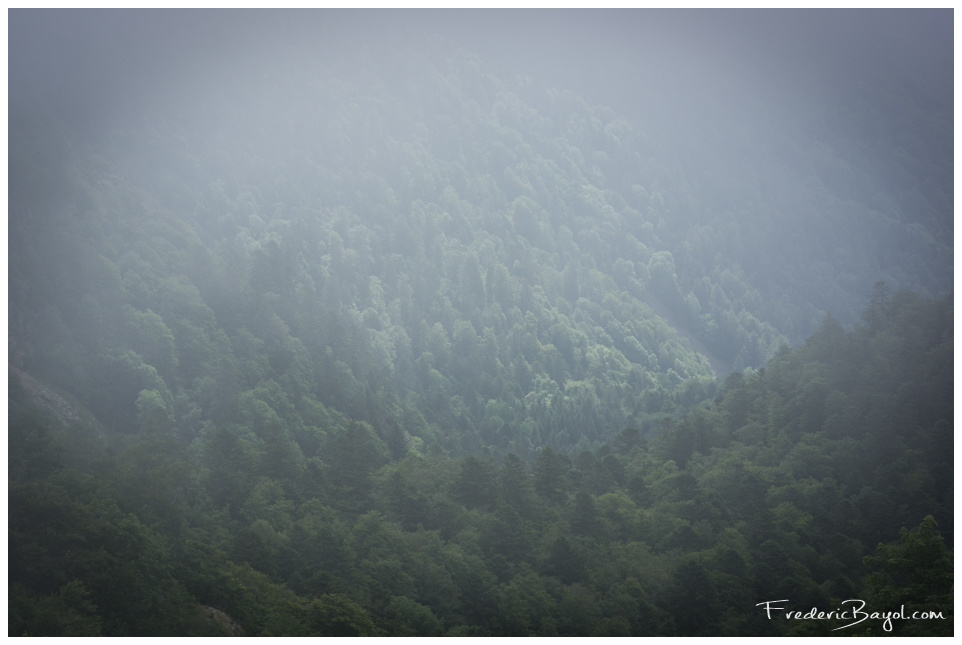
x: 412, y: 348
x: 779, y: 487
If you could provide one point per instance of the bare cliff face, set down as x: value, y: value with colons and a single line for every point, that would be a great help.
x: 67, y: 410
x: 221, y: 622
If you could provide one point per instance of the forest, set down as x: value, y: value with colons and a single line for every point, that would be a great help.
x: 374, y: 339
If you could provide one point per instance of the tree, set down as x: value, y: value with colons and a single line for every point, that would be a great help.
x: 146, y: 333
x: 915, y: 573
x: 692, y: 599
x: 525, y: 607
x: 475, y: 486
x: 411, y: 618
x: 350, y: 454
x: 515, y: 483
x: 230, y: 460
x: 584, y: 516
x: 565, y: 562
x: 69, y: 612
x: 33, y: 451
x: 627, y: 440
x: 550, y: 475
x: 152, y: 413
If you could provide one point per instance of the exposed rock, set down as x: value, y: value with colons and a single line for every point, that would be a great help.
x: 68, y: 412
x: 223, y: 621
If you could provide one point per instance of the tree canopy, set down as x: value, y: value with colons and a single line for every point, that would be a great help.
x: 396, y: 342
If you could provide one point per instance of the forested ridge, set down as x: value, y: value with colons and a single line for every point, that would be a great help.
x: 779, y: 487
x: 393, y: 343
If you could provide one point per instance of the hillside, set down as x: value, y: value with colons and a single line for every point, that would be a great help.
x: 824, y: 477
x: 346, y: 323
x: 393, y: 233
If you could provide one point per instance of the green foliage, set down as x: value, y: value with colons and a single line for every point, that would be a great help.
x: 915, y: 574
x: 411, y: 618
x: 69, y: 612
x: 152, y: 414
x: 338, y: 615
x: 782, y: 486
x: 458, y: 377
x: 33, y: 452
x: 112, y: 572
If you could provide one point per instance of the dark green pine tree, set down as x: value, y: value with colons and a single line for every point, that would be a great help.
x: 515, y: 484
x: 564, y: 562
x: 584, y: 516
x: 476, y: 485
x: 550, y: 475
x: 230, y: 465
x: 350, y: 456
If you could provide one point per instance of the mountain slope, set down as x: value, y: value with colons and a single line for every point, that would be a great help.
x: 782, y: 487
x: 322, y: 325
x: 405, y: 232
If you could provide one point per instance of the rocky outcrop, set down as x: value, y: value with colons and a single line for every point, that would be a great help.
x: 69, y: 412
x: 224, y: 622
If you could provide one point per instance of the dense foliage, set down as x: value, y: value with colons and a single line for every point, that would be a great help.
x: 776, y: 489
x: 415, y: 349
x: 454, y: 258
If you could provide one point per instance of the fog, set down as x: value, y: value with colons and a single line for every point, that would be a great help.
x: 748, y: 110
x: 477, y: 323
x: 635, y: 61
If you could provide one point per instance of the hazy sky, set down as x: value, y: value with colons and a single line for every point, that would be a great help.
x: 92, y: 61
